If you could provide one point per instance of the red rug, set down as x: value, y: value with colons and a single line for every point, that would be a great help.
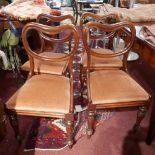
x: 47, y: 133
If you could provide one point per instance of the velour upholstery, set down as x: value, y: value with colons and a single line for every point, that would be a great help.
x: 47, y: 67
x: 48, y: 100
x: 114, y: 62
x: 115, y: 86
x: 47, y: 95
x: 108, y: 87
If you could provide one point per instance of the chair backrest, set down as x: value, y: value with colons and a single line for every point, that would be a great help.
x: 47, y: 33
x: 52, y: 20
x: 122, y: 31
x: 89, y: 17
x: 109, y: 18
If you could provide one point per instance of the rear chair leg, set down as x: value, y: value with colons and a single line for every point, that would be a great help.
x: 140, y: 115
x: 69, y: 119
x: 14, y: 123
x: 90, y: 120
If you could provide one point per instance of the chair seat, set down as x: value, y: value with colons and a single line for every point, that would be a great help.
x: 47, y: 67
x: 114, y: 62
x: 115, y: 86
x: 53, y: 96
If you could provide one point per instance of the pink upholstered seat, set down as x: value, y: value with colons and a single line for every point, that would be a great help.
x: 37, y: 96
x: 100, y: 63
x: 47, y: 67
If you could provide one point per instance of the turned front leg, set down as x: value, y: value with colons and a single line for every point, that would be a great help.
x: 69, y: 119
x: 140, y: 115
x: 90, y: 120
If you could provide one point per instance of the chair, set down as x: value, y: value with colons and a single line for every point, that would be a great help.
x: 89, y: 16
x: 87, y: 6
x: 98, y: 37
x: 47, y: 47
x: 78, y: 12
x: 109, y: 88
x: 46, y: 95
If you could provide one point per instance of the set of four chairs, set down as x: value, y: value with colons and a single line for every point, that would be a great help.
x: 48, y: 91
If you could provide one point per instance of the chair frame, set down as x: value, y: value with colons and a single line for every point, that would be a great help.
x: 124, y: 33
x: 45, y: 31
x: 110, y: 36
x: 97, y: 17
x: 51, y: 19
x: 143, y: 105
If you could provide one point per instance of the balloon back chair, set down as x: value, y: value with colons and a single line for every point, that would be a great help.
x: 111, y: 88
x: 47, y: 47
x: 101, y: 38
x: 46, y: 95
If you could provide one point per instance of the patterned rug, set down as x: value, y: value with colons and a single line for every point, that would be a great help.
x: 47, y: 133
x: 50, y: 134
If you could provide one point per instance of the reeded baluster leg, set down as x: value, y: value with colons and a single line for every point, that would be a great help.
x: 90, y: 120
x: 140, y: 115
x: 69, y: 119
x: 14, y: 123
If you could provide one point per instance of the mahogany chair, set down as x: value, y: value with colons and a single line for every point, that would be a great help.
x: 78, y: 12
x: 111, y: 88
x: 46, y: 95
x: 47, y: 47
x: 103, y: 38
x: 96, y: 39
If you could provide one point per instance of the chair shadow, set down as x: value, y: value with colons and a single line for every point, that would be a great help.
x: 24, y: 149
x: 132, y: 141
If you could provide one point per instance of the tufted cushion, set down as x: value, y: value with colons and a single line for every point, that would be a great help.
x: 47, y: 67
x: 114, y: 86
x: 42, y: 95
x: 103, y: 62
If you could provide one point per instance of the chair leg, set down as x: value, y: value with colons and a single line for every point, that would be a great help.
x: 69, y: 119
x: 14, y: 123
x: 140, y: 115
x: 90, y: 120
x: 76, y: 18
